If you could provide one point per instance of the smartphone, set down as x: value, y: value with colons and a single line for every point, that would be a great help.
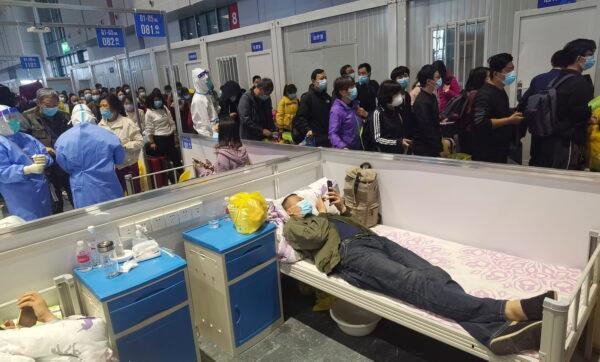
x: 27, y: 317
x: 331, y: 187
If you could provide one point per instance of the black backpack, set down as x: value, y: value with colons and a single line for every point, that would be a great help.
x: 455, y: 108
x: 541, y: 109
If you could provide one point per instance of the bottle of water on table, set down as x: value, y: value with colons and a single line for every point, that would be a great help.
x: 84, y: 260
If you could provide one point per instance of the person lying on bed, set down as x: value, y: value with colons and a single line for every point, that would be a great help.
x: 369, y: 261
x: 33, y: 308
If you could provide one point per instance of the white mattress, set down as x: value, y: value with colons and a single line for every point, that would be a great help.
x: 481, y: 272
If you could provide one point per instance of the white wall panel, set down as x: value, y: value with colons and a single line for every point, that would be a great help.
x: 104, y: 76
x: 423, y: 13
x: 236, y: 47
x: 366, y: 30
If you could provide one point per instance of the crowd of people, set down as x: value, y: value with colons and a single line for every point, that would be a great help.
x: 84, y: 144
x: 434, y: 117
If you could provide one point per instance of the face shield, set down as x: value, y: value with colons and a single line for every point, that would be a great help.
x: 202, y: 82
x: 11, y: 120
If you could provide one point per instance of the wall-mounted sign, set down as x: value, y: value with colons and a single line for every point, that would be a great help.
x: 547, y: 3
x: 234, y: 17
x: 148, y: 25
x: 192, y: 56
x: 257, y: 46
x: 111, y: 69
x: 186, y: 142
x: 318, y: 37
x: 30, y: 62
x: 110, y: 38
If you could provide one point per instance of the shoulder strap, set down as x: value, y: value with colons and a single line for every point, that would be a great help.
x: 556, y: 82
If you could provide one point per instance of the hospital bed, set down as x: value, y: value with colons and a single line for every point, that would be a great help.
x: 486, y: 260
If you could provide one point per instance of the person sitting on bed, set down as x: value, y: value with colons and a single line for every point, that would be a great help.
x: 366, y: 260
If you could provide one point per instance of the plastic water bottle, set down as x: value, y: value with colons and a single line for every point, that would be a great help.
x: 93, y: 244
x: 84, y: 262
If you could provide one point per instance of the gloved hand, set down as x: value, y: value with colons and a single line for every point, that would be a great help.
x: 36, y: 168
x: 39, y: 159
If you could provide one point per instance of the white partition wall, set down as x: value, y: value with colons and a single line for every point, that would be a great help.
x: 231, y: 55
x: 141, y: 72
x: 203, y: 148
x: 81, y: 77
x: 354, y: 33
x: 186, y: 56
x: 106, y: 73
x: 536, y: 214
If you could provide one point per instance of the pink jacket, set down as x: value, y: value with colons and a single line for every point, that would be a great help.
x: 445, y: 96
x: 229, y: 158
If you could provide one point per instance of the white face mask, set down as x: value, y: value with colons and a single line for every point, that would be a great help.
x: 397, y: 100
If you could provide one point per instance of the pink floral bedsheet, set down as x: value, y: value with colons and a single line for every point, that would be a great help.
x: 485, y: 273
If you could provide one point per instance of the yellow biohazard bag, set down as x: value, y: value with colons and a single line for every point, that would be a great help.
x: 248, y: 211
x: 593, y: 145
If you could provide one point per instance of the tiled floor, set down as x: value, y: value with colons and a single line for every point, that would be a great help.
x: 310, y: 336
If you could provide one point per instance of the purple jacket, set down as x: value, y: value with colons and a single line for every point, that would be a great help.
x: 229, y: 158
x: 344, y: 126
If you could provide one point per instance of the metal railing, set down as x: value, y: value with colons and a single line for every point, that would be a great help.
x: 130, y: 179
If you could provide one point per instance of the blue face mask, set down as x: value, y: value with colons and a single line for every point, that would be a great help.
x: 14, y: 125
x: 95, y: 97
x: 107, y: 115
x: 403, y: 82
x: 210, y: 85
x: 510, y: 78
x: 353, y: 93
x: 305, y: 207
x: 158, y: 104
x: 49, y: 112
x: 88, y: 97
x: 438, y: 83
x: 363, y: 79
x: 323, y: 84
x: 352, y: 75
x: 590, y: 61
x: 264, y: 97
x: 292, y: 96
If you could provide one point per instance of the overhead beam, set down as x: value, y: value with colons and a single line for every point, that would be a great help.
x: 61, y: 6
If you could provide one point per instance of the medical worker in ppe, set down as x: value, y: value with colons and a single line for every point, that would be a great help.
x: 204, y: 113
x: 23, y: 159
x: 89, y: 153
x: 81, y: 111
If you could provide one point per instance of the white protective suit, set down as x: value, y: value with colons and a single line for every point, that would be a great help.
x: 204, y: 112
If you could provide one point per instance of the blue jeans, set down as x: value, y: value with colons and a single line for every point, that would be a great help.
x: 376, y: 263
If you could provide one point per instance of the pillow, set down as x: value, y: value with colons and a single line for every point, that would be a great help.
x: 73, y: 338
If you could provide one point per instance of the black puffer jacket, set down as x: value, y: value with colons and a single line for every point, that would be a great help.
x: 313, y: 115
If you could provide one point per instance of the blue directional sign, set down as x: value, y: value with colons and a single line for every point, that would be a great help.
x: 192, y: 56
x: 257, y: 46
x: 186, y: 142
x: 110, y: 38
x: 30, y: 62
x: 318, y: 37
x: 547, y: 3
x: 148, y: 25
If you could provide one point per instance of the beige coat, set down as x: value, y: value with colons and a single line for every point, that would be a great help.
x: 130, y: 136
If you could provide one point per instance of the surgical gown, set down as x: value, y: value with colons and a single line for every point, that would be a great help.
x: 26, y: 196
x: 88, y: 153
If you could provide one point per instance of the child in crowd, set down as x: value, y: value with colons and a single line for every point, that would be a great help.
x: 287, y: 108
x: 231, y: 154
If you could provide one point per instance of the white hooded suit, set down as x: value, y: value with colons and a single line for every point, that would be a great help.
x: 204, y: 112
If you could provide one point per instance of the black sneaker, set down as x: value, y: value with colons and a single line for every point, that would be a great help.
x: 516, y: 337
x: 533, y: 307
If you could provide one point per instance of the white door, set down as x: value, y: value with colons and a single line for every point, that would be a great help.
x: 261, y: 63
x: 188, y: 72
x: 330, y: 59
x: 541, y: 32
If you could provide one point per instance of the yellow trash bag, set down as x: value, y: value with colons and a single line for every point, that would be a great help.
x: 185, y: 176
x: 248, y: 211
x: 143, y: 180
x: 593, y: 144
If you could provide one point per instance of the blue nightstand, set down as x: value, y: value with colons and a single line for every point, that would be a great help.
x: 234, y: 282
x: 147, y: 310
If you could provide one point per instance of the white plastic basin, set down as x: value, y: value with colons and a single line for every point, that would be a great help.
x: 353, y: 320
